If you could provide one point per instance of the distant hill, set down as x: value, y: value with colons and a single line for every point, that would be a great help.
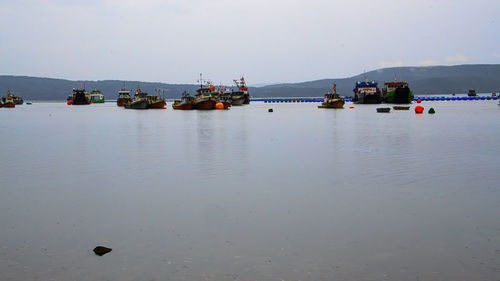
x: 35, y: 88
x: 484, y: 78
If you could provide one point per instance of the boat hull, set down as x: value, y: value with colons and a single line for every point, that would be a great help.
x: 140, y: 104
x: 80, y: 102
x: 384, y: 109
x: 237, y: 101
x: 208, y: 104
x: 157, y: 105
x: 226, y: 104
x: 368, y: 99
x: 401, y: 107
x: 9, y: 105
x: 399, y: 96
x: 333, y: 104
x: 123, y: 102
x: 186, y: 106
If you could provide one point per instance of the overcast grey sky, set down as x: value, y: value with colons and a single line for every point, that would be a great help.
x: 267, y: 41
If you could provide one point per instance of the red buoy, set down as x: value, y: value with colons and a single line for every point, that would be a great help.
x: 219, y: 105
x: 351, y: 106
x: 419, y: 101
x: 69, y: 102
x: 419, y: 109
x: 164, y: 107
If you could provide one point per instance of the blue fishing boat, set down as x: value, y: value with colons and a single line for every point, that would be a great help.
x: 367, y: 92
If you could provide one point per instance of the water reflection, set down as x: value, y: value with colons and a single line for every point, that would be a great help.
x: 297, y: 194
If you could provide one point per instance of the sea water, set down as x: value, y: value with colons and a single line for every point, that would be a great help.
x: 243, y: 194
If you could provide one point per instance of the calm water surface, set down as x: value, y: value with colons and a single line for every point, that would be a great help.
x: 243, y: 194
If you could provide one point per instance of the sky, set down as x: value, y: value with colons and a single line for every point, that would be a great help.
x: 267, y: 41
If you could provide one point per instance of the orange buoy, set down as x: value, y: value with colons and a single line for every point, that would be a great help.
x: 419, y: 101
x: 69, y: 102
x: 219, y: 105
x: 351, y: 106
x: 419, y: 109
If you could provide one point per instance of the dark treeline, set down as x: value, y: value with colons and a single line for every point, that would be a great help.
x: 422, y: 80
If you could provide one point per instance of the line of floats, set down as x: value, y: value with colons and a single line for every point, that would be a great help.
x: 423, y: 98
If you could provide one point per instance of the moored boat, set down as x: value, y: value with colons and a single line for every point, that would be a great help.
x: 332, y: 99
x: 96, y: 96
x: 185, y: 103
x: 240, y: 96
x: 367, y: 92
x: 472, y: 93
x: 140, y: 100
x: 383, y: 109
x: 224, y: 97
x: 15, y: 99
x: 123, y: 97
x: 8, y: 102
x: 156, y: 101
x: 401, y: 107
x: 397, y: 92
x: 80, y: 97
x: 205, y: 98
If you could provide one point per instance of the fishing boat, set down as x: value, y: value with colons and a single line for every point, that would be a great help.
x: 185, y: 103
x: 205, y: 98
x: 80, y: 97
x: 8, y: 102
x: 224, y: 97
x: 472, y: 93
x: 332, y: 99
x: 123, y: 97
x: 140, y: 100
x: 367, y: 92
x: 226, y: 102
x: 397, y: 92
x: 156, y: 101
x: 241, y: 95
x: 14, y: 98
x: 96, y: 96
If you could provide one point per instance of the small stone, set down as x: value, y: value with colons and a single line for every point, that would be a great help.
x: 101, y: 250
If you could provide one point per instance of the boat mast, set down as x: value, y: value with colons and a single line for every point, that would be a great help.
x: 201, y: 80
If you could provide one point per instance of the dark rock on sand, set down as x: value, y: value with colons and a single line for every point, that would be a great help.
x: 101, y: 250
